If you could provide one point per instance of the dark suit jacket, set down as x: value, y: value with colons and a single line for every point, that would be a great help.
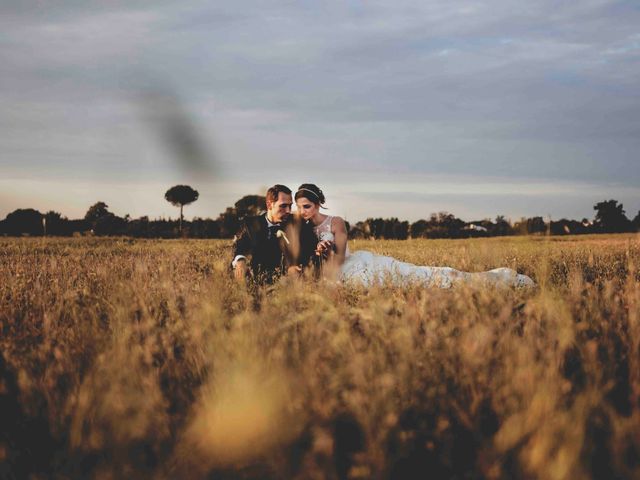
x: 270, y: 256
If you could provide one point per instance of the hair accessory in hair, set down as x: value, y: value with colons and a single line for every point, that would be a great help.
x: 310, y: 191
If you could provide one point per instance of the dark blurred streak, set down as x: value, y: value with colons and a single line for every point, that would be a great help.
x: 166, y: 115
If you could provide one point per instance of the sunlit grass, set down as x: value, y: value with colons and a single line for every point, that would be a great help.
x: 142, y: 359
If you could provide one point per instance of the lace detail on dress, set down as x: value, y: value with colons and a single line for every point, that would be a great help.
x: 323, y: 232
x: 324, y: 227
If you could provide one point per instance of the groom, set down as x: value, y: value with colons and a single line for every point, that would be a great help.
x: 270, y: 245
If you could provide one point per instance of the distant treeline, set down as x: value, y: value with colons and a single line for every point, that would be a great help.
x: 609, y: 217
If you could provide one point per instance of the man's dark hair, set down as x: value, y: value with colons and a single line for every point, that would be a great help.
x: 273, y: 192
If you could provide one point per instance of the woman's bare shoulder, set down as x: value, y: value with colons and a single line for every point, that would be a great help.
x: 337, y: 223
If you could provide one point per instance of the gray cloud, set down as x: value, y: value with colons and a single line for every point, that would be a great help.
x: 535, y: 89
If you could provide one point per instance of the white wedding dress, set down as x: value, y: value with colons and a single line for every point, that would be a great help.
x: 368, y: 269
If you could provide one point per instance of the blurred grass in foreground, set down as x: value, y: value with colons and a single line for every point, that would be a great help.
x: 141, y: 359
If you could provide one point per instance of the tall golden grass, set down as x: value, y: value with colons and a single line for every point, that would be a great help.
x: 142, y: 359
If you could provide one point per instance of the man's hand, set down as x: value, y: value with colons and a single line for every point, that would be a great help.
x: 240, y: 270
x: 295, y: 270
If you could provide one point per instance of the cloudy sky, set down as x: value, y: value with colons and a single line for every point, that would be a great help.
x: 395, y: 108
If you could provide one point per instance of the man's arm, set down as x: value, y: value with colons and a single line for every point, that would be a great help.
x: 240, y: 269
x: 242, y: 247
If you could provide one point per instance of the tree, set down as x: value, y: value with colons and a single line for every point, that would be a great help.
x: 528, y: 226
x: 536, y: 225
x: 110, y: 225
x: 229, y: 223
x: 54, y: 223
x: 419, y: 229
x: 375, y: 227
x: 443, y: 225
x: 95, y: 212
x: 358, y: 231
x: 451, y: 224
x: 502, y: 226
x: 610, y: 217
x: 181, y: 195
x: 388, y: 227
x: 24, y: 221
x: 250, y: 205
x: 401, y: 230
x: 103, y: 222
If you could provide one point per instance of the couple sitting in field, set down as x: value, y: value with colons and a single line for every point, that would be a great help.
x: 279, y: 243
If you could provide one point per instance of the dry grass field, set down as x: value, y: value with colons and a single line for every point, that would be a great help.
x: 141, y: 359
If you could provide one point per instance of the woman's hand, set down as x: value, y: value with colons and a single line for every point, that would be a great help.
x: 324, y: 248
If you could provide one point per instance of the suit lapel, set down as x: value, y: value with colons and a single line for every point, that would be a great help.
x: 263, y: 228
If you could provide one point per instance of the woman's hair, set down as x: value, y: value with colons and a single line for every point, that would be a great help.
x: 311, y: 192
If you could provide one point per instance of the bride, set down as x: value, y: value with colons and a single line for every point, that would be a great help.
x: 368, y: 268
